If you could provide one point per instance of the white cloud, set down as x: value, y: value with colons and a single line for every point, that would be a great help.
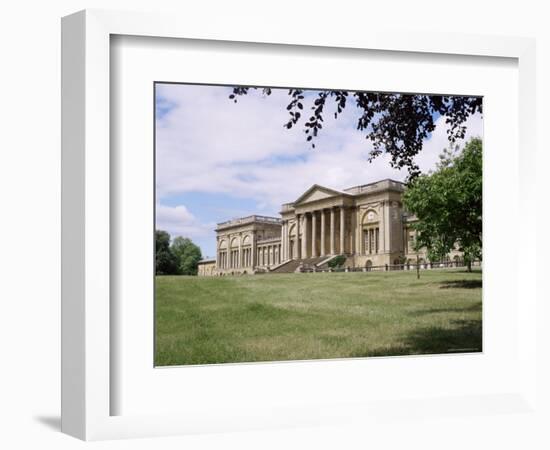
x: 178, y: 221
x: 206, y: 143
x: 433, y: 147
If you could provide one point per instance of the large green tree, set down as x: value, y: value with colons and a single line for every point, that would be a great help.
x: 448, y: 204
x: 166, y: 263
x: 188, y: 255
x: 396, y: 124
x: 179, y: 256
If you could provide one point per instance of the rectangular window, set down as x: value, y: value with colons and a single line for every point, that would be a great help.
x: 371, y: 245
x: 411, y: 242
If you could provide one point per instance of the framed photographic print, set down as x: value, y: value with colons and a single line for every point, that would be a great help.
x: 340, y: 271
x: 279, y: 229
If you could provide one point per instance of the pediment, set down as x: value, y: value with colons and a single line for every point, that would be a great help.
x: 315, y: 193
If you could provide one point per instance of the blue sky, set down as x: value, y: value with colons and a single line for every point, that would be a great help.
x: 217, y: 160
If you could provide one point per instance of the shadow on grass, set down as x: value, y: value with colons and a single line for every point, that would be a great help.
x: 476, y: 307
x: 461, y: 284
x: 465, y: 336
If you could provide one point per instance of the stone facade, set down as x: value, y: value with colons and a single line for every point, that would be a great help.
x: 366, y: 223
x: 207, y: 268
x: 248, y: 244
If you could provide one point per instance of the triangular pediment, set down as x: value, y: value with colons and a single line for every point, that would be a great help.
x: 315, y: 193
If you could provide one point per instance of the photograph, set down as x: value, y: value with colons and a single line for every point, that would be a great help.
x: 301, y: 223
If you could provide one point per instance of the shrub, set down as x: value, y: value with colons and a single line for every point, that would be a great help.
x: 337, y: 262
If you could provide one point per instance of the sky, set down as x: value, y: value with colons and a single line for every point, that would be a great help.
x: 217, y: 160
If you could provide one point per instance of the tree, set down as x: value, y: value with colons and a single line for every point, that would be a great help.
x: 448, y: 204
x: 166, y: 262
x: 188, y: 255
x: 180, y: 257
x: 396, y: 124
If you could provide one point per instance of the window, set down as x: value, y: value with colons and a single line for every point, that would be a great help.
x: 371, y: 241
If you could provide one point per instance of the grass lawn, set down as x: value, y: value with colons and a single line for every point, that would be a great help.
x: 203, y: 320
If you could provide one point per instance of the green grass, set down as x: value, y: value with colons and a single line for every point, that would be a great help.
x: 203, y: 320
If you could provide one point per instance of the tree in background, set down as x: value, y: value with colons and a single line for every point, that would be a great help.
x: 448, y: 204
x: 181, y: 257
x: 396, y: 124
x: 166, y: 262
x: 188, y: 255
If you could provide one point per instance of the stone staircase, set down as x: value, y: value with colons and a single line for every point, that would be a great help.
x: 294, y: 265
x: 288, y: 267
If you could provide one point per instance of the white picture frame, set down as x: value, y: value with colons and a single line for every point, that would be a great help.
x: 86, y: 220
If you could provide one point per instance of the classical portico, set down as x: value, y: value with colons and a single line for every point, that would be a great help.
x: 318, y: 224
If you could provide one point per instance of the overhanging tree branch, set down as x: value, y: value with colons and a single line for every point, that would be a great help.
x: 396, y: 124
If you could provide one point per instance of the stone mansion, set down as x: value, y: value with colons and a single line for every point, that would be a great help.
x: 365, y: 223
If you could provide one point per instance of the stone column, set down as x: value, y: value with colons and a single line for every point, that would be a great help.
x: 283, y: 237
x: 253, y: 250
x: 314, y: 234
x: 304, y: 238
x: 332, y: 232
x: 342, y: 230
x: 386, y: 227
x: 323, y: 225
x: 359, y: 233
x: 240, y: 257
x: 285, y: 242
x: 353, y: 232
x: 298, y: 247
